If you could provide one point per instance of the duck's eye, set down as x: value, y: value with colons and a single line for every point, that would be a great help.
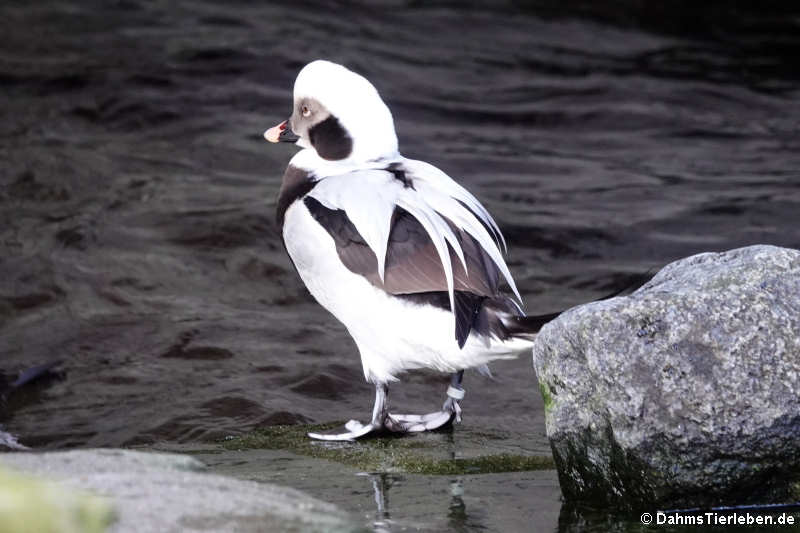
x: 306, y: 111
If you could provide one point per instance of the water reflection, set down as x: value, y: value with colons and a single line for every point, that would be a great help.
x: 455, y: 510
x: 380, y: 486
x: 457, y: 513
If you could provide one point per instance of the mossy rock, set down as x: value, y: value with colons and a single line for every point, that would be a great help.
x: 31, y: 505
x: 547, y: 398
x: 685, y: 393
x: 426, y: 453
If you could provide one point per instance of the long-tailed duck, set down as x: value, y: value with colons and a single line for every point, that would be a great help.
x: 406, y: 258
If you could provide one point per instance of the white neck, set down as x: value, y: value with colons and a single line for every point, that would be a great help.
x: 308, y: 160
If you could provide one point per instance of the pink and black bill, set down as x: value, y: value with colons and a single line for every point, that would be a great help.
x: 281, y: 133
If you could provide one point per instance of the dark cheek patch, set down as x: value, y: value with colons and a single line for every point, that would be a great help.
x: 330, y: 139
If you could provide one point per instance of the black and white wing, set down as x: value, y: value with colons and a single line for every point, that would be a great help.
x: 411, y: 230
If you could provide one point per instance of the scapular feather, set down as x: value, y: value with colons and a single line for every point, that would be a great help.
x: 370, y: 197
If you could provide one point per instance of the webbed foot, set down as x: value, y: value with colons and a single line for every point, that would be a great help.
x: 349, y: 432
x: 383, y: 422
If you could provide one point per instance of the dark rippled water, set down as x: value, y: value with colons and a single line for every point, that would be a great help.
x: 137, y: 234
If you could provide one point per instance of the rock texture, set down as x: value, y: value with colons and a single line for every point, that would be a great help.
x: 686, y: 392
x: 168, y: 492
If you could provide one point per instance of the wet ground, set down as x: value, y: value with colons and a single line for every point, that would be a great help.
x: 394, y: 499
x: 516, y: 501
x: 137, y: 235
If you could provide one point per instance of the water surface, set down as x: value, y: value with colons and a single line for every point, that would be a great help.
x: 137, y: 234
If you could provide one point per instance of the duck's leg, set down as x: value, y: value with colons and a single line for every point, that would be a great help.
x: 383, y: 420
x: 355, y: 429
x: 455, y: 393
x: 451, y: 411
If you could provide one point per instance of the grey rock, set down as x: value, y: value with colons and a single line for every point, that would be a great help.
x: 170, y: 492
x: 686, y: 392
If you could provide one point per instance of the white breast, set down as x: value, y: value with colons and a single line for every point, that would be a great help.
x: 392, y: 334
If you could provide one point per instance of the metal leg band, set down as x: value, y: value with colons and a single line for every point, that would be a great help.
x: 454, y: 393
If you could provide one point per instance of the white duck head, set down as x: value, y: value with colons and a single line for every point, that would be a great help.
x: 339, y: 115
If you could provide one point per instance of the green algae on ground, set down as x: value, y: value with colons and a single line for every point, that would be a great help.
x: 410, y: 454
x: 503, y: 462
